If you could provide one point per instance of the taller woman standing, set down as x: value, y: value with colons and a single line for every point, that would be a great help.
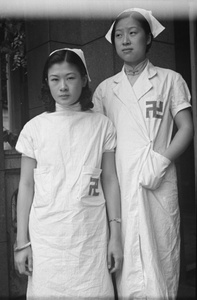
x: 143, y: 101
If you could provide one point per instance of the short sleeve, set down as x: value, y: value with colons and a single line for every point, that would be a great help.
x: 180, y: 95
x: 110, y: 138
x: 97, y: 100
x: 25, y: 143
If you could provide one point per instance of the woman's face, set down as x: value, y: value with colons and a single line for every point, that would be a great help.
x: 65, y: 83
x: 131, y: 41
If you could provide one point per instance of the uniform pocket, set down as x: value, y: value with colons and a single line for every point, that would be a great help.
x: 43, y: 186
x: 90, y: 187
x: 153, y: 170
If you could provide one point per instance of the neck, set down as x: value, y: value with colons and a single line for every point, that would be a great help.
x: 135, y: 69
x: 75, y: 107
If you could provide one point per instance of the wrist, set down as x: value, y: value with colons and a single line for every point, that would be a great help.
x: 22, y: 241
x: 19, y: 248
x: 115, y: 231
x: 115, y: 238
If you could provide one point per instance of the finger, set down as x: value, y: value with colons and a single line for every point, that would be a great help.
x: 117, y: 265
x: 30, y: 263
x: 27, y: 271
x: 24, y: 270
x: 21, y: 268
x: 109, y: 261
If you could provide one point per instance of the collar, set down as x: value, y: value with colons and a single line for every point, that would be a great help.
x: 141, y: 86
x: 133, y: 71
x: 150, y: 69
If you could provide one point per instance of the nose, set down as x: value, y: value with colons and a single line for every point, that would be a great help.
x: 63, y: 85
x: 126, y: 39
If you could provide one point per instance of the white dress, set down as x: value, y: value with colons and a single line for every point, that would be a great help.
x: 68, y: 224
x: 143, y: 116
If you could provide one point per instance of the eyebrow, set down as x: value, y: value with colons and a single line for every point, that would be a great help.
x: 130, y: 27
x: 57, y: 75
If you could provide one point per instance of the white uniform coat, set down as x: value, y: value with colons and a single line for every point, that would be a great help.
x: 68, y: 225
x: 143, y: 117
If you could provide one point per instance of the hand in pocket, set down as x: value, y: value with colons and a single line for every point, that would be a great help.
x: 154, y: 170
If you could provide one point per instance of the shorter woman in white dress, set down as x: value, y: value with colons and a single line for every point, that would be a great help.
x: 63, y: 243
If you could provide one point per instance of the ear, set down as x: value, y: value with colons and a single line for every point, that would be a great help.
x: 149, y: 38
x: 85, y: 79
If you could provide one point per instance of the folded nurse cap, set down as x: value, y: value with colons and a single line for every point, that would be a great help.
x: 155, y: 27
x: 79, y: 52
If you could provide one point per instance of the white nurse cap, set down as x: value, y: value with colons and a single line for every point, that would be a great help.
x: 79, y: 52
x: 155, y: 27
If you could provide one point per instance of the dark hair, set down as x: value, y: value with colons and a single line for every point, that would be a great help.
x: 143, y: 23
x: 71, y: 57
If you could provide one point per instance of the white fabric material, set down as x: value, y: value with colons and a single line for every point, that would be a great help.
x: 155, y: 26
x: 143, y: 117
x: 155, y: 166
x: 79, y: 52
x: 68, y: 225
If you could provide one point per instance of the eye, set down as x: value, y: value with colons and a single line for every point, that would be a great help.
x: 118, y: 35
x: 54, y: 79
x: 132, y: 32
x: 71, y: 78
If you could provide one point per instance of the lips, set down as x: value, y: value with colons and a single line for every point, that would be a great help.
x: 127, y: 50
x: 63, y: 96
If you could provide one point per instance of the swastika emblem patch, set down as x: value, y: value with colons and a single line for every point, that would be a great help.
x: 154, y: 109
x: 93, y: 186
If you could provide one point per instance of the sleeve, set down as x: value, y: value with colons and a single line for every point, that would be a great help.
x: 180, y: 95
x: 25, y: 143
x: 110, y: 138
x: 97, y: 100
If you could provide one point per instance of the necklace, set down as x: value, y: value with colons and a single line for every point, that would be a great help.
x: 133, y: 71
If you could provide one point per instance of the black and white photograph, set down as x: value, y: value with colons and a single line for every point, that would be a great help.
x: 98, y: 149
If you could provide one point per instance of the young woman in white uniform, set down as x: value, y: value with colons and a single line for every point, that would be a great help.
x: 62, y: 227
x: 143, y: 101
